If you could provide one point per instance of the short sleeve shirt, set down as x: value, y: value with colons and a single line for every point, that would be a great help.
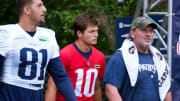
x: 146, y: 88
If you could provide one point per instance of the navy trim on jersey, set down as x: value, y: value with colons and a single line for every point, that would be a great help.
x: 61, y: 79
x: 31, y: 33
x: 86, y: 55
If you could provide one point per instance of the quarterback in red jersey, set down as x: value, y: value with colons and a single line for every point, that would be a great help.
x: 84, y: 63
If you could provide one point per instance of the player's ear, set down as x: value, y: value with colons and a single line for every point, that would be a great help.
x: 79, y: 33
x: 132, y: 32
x: 27, y: 10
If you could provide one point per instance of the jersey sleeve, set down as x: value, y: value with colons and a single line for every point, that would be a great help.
x: 4, y: 42
x: 55, y: 49
x: 102, y: 69
x: 115, y: 70
x: 64, y: 59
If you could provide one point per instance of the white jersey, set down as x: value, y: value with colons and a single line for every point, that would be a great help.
x: 27, y: 57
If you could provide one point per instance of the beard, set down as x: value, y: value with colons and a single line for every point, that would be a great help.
x: 41, y: 22
x: 37, y: 20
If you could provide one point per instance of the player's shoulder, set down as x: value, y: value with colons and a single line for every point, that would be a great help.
x: 96, y: 51
x: 67, y: 49
x: 44, y: 29
x: 47, y: 31
x: 7, y: 27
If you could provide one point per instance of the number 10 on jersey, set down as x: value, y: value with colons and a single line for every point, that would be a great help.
x: 79, y: 83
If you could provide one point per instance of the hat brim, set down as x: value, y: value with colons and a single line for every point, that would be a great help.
x: 153, y: 25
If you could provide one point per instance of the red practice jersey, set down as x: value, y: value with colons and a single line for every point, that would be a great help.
x: 82, y: 72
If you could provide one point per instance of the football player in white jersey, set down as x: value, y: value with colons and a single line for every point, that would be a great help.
x: 26, y: 51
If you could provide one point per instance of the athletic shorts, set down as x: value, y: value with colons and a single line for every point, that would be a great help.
x: 14, y: 93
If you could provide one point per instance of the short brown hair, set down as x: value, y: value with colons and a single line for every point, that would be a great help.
x: 20, y: 5
x: 82, y: 21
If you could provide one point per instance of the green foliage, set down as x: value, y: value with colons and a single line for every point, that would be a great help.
x: 8, y: 12
x: 61, y: 13
x: 61, y: 23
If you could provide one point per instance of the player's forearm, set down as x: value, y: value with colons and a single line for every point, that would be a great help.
x: 49, y: 96
x: 98, y: 92
x: 51, y: 90
x: 113, y: 97
x: 98, y: 95
x: 112, y: 93
x: 168, y: 97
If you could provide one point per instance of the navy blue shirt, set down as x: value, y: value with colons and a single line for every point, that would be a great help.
x: 146, y: 88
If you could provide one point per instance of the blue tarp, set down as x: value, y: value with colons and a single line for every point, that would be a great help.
x: 176, y: 51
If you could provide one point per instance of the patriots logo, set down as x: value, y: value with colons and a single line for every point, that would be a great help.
x: 159, y: 56
x: 131, y: 50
